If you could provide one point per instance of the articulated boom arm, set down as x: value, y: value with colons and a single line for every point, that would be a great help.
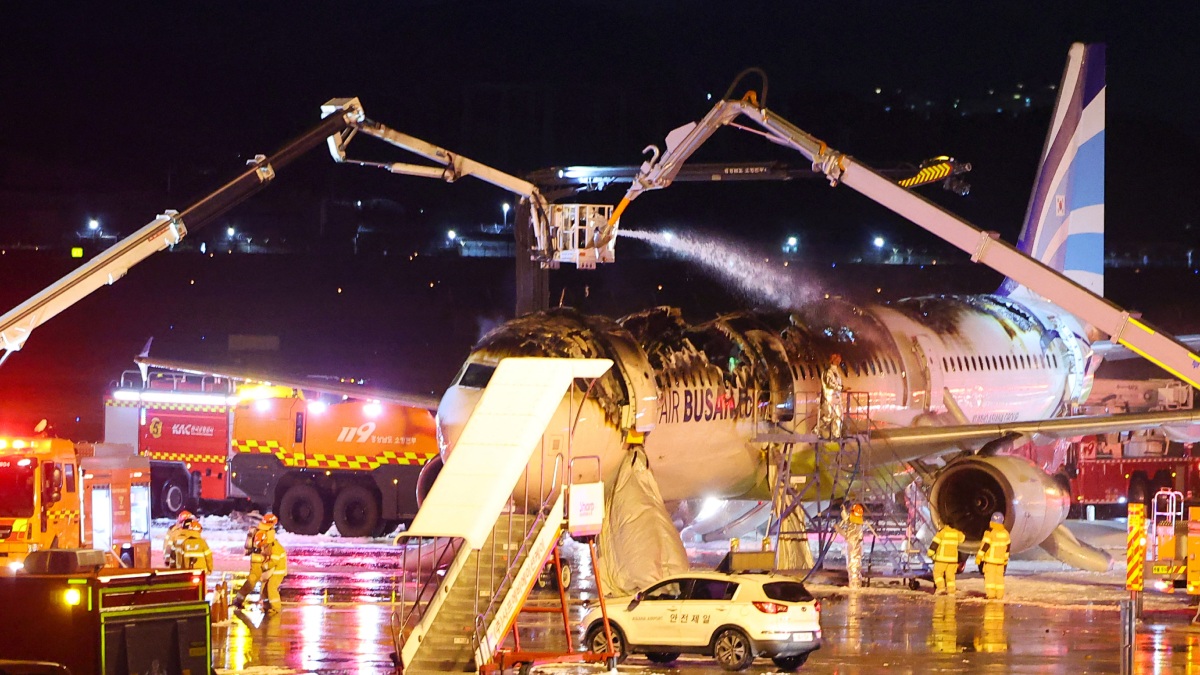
x: 658, y: 172
x: 563, y: 232
x: 164, y: 231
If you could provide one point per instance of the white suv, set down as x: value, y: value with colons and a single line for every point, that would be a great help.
x: 733, y: 617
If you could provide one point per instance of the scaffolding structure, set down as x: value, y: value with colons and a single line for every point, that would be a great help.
x: 813, y: 477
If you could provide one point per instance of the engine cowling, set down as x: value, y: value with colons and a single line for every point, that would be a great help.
x: 968, y: 491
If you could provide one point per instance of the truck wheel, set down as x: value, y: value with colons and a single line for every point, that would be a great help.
x: 356, y: 512
x: 172, y: 497
x: 302, y: 511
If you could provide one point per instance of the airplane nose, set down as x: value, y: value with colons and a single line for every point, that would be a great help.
x: 453, y: 411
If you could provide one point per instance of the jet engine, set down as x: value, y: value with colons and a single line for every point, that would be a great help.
x: 968, y: 491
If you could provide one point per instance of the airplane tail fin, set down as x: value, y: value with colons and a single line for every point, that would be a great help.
x: 1064, y: 223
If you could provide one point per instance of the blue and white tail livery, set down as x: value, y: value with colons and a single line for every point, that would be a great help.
x: 1064, y: 224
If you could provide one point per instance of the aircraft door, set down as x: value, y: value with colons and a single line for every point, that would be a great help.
x: 930, y: 360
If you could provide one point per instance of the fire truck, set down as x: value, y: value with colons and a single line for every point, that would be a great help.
x: 57, y: 494
x: 216, y: 445
x: 1109, y: 470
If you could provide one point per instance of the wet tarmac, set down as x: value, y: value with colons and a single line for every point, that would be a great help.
x: 337, y: 622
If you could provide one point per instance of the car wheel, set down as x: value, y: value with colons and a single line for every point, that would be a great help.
x: 790, y: 663
x: 302, y: 511
x: 732, y: 649
x: 356, y: 512
x: 662, y: 657
x: 596, y: 643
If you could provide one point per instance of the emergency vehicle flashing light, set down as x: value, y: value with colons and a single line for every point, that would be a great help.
x: 72, y: 596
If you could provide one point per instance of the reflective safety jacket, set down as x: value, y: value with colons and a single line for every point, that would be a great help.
x: 193, y: 553
x: 994, y: 547
x: 273, y: 553
x: 175, y: 535
x: 944, y: 548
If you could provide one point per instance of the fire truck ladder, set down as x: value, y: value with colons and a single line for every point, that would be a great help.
x: 476, y: 560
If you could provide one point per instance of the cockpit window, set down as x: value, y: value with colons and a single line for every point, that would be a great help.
x: 476, y: 375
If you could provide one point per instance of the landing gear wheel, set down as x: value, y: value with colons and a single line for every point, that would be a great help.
x: 356, y: 512
x: 596, y: 643
x: 790, y: 663
x: 302, y: 511
x: 547, y: 580
x: 732, y: 649
x: 662, y: 657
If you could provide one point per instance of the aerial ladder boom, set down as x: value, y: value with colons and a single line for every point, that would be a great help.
x: 165, y: 231
x: 985, y: 247
x: 562, y: 232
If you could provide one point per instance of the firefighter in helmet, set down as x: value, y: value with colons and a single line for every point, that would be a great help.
x: 274, y: 565
x: 254, y: 540
x: 944, y: 552
x: 268, y: 563
x: 993, y: 557
x: 191, y: 551
x: 829, y: 422
x: 851, y: 528
x: 174, y: 534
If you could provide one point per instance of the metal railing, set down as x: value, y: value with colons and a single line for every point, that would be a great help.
x: 545, y: 502
x: 405, y: 618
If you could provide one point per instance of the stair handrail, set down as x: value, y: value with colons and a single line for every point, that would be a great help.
x: 405, y: 626
x: 548, y: 500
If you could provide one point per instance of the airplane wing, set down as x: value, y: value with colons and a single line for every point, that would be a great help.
x: 1116, y: 352
x: 911, y: 443
x: 296, y: 382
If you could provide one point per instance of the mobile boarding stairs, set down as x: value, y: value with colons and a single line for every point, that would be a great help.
x: 471, y: 559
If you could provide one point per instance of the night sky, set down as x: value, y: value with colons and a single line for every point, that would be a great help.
x: 121, y: 110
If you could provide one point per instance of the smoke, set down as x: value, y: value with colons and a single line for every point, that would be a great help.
x: 766, y: 282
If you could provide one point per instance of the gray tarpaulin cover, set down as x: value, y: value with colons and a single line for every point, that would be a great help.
x: 638, y: 543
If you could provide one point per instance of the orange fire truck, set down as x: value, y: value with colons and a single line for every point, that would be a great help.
x: 215, y: 445
x: 56, y: 494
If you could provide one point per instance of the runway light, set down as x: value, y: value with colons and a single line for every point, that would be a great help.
x: 93, y: 224
x: 451, y: 235
x: 878, y: 242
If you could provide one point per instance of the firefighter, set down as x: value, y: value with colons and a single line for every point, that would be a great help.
x: 174, y: 534
x: 191, y: 551
x: 851, y: 528
x: 254, y: 544
x: 829, y: 424
x: 274, y: 566
x: 993, y: 557
x: 944, y: 552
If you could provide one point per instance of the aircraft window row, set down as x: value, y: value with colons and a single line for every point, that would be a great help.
x: 873, y: 366
x: 1001, y: 362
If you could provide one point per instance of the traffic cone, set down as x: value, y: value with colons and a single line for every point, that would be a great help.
x: 220, y: 605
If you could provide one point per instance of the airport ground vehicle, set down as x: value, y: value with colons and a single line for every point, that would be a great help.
x: 58, y: 494
x: 215, y: 445
x: 733, y: 617
x: 1108, y: 470
x: 92, y: 620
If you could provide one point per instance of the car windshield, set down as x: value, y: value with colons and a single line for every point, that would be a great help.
x: 16, y: 488
x: 787, y: 591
